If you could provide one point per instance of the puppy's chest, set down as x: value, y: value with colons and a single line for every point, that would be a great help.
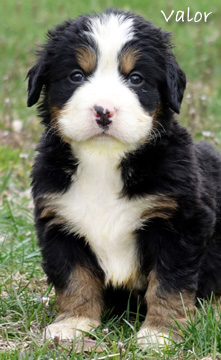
x: 94, y: 208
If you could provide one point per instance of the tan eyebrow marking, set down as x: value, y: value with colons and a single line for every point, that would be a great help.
x: 128, y: 60
x: 86, y: 59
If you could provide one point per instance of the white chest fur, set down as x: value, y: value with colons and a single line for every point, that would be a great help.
x: 93, y: 208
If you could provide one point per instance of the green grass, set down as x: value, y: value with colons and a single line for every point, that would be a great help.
x: 23, y: 315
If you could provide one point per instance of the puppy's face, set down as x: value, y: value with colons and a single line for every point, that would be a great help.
x: 105, y: 77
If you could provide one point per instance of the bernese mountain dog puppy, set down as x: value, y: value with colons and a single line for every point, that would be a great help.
x: 124, y: 199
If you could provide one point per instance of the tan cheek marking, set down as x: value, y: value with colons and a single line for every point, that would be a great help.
x: 55, y: 112
x: 82, y: 297
x: 86, y: 59
x: 157, y: 114
x: 128, y: 61
x: 163, y: 207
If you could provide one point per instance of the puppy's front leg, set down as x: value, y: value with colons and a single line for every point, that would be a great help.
x: 163, y: 308
x: 79, y: 305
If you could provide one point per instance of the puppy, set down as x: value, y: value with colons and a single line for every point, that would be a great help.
x: 124, y: 198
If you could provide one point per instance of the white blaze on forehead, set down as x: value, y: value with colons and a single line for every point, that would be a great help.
x: 111, y: 32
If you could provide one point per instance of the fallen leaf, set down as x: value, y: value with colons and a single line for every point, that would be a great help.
x: 85, y: 345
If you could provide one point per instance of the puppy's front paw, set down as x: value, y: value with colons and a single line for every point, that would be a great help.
x: 70, y: 328
x: 151, y: 337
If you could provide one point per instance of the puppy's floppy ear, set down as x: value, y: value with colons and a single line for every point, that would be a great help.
x: 36, y: 79
x: 176, y: 84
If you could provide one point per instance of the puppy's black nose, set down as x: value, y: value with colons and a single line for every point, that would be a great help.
x: 103, y: 116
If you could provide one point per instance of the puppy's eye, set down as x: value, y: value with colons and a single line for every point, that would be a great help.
x: 135, y: 79
x: 77, y: 76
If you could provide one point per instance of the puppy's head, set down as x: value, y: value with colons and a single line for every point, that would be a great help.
x: 104, y: 77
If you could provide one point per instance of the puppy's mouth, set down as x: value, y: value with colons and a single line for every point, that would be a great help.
x: 104, y: 135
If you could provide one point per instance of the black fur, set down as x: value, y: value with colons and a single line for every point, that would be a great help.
x: 185, y: 249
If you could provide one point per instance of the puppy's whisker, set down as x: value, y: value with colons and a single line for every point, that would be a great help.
x: 161, y: 125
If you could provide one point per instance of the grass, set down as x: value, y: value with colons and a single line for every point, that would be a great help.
x: 23, y: 289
